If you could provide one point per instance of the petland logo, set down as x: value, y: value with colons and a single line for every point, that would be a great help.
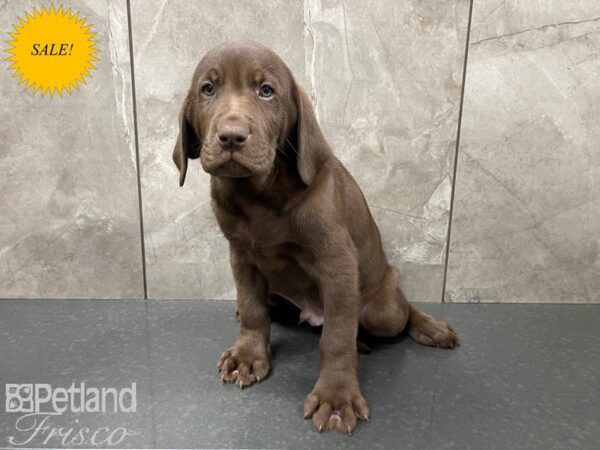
x: 40, y: 403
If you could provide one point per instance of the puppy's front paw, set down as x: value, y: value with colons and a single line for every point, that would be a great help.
x: 336, y: 402
x: 243, y: 365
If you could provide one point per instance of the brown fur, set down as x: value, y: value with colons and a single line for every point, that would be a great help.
x: 297, y: 224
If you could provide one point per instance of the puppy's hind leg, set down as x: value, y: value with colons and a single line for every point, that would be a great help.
x: 386, y: 312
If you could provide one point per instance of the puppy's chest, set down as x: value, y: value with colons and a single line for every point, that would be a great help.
x: 264, y: 234
x: 275, y: 250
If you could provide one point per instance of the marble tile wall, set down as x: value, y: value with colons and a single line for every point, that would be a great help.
x: 69, y: 225
x: 526, y: 213
x: 386, y: 80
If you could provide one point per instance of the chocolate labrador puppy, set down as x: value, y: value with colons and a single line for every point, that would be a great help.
x: 297, y: 224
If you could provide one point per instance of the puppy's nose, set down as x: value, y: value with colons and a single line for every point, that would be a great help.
x: 232, y: 136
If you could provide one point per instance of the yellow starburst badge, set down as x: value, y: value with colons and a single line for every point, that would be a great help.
x: 52, y: 50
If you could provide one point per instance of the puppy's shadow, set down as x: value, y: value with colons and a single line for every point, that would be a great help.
x: 300, y: 339
x: 290, y: 337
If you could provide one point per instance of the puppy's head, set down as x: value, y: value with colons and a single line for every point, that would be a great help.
x: 242, y: 107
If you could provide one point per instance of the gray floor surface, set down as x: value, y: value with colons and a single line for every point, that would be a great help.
x: 525, y: 377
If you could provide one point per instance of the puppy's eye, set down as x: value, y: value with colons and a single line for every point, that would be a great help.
x: 208, y: 89
x: 266, y: 91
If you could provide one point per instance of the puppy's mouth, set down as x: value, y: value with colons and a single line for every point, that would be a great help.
x: 237, y: 164
x: 232, y: 169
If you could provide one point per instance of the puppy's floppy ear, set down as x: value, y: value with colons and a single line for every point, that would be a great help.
x: 188, y: 142
x: 311, y: 145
